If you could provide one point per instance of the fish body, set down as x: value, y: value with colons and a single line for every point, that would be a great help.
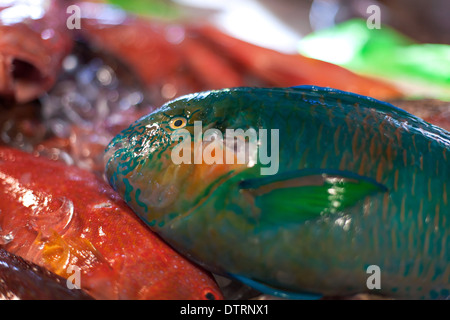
x: 73, y: 224
x: 360, y: 185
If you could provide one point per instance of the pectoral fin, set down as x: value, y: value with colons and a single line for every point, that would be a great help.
x: 302, y: 195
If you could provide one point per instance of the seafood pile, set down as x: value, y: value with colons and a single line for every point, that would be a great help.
x: 65, y: 94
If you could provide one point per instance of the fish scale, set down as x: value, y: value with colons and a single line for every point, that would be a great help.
x: 360, y: 183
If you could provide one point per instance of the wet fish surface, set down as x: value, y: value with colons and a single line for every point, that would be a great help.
x: 360, y: 183
x: 62, y: 218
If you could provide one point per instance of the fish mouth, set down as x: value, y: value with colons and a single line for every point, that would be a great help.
x: 20, y: 79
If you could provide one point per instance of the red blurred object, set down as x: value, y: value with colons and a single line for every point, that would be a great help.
x: 34, y: 39
x: 286, y: 70
x: 190, y: 57
x: 56, y: 216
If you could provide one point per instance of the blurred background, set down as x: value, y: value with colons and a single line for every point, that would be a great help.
x: 409, y: 48
x: 281, y: 23
x: 64, y: 94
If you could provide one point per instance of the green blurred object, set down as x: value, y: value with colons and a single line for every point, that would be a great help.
x: 153, y: 8
x: 422, y: 70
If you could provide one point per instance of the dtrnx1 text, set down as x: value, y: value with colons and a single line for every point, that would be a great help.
x: 245, y: 309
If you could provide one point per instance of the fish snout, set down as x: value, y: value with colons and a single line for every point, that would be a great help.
x: 114, y: 157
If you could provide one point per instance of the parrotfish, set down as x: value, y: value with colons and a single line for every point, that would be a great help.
x: 359, y: 202
x: 73, y: 224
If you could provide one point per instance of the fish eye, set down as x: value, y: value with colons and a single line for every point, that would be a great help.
x: 177, y: 123
x: 210, y: 296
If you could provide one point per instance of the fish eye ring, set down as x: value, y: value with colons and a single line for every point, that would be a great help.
x: 178, y: 123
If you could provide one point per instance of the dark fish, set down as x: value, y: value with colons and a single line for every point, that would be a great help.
x: 22, y: 280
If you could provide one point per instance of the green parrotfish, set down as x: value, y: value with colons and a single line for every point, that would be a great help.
x: 357, y: 201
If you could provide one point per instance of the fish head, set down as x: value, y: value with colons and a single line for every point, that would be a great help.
x: 143, y: 161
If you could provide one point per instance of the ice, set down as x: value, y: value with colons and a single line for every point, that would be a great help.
x: 54, y: 215
x: 6, y: 238
x: 90, y: 104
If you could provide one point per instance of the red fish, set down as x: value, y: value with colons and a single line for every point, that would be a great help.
x: 34, y: 39
x: 286, y: 70
x: 59, y: 216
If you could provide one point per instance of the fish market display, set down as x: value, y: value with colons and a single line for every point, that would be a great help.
x: 62, y: 218
x: 104, y: 84
x: 336, y: 184
x: 340, y: 182
x: 33, y: 41
x: 22, y: 280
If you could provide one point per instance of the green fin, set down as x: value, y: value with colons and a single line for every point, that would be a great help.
x: 263, y: 288
x: 307, y: 194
